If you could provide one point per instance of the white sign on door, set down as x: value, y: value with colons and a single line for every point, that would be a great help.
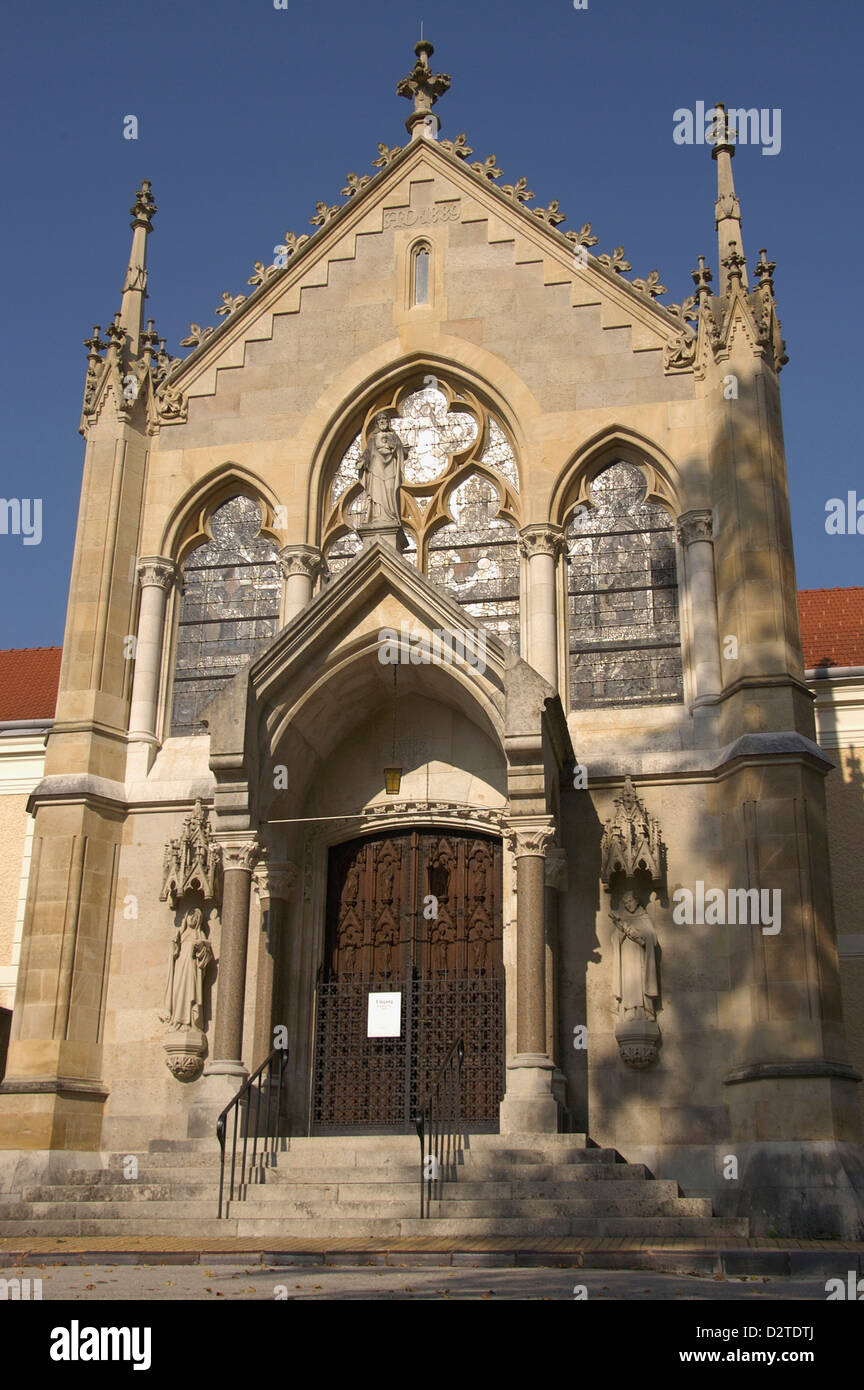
x: 384, y: 1017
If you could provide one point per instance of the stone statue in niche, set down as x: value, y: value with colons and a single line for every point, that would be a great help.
x: 633, y: 869
x: 191, y: 958
x: 380, y: 472
x: 635, y: 967
x: 192, y: 882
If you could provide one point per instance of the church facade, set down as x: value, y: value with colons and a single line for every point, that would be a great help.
x: 433, y: 646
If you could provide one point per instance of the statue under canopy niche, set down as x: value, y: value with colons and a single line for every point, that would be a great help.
x: 191, y: 957
x: 380, y: 472
x: 633, y: 870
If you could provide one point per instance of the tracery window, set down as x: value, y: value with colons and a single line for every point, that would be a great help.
x: 231, y: 590
x: 624, y: 631
x: 460, y: 502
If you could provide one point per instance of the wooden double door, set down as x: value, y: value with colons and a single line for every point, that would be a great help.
x: 418, y: 915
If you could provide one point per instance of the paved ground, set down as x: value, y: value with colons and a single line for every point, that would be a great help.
x: 240, y: 1282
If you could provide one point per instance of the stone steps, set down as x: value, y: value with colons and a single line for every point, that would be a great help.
x: 348, y: 1190
x: 349, y: 1228
x: 365, y: 1187
x: 323, y: 1203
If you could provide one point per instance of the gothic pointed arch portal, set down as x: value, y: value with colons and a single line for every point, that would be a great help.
x: 414, y: 913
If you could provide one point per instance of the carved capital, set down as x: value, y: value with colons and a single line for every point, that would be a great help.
x: 693, y: 526
x: 156, y: 572
x: 542, y: 539
x: 239, y: 851
x: 305, y: 560
x: 274, y: 880
x: 530, y: 835
x: 556, y: 869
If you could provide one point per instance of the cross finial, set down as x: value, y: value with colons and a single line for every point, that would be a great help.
x: 424, y: 87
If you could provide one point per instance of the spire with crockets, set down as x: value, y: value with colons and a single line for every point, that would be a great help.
x: 727, y: 209
x: 135, y: 284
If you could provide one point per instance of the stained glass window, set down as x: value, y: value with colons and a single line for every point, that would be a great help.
x: 230, y: 604
x: 464, y: 537
x: 475, y: 558
x: 625, y: 640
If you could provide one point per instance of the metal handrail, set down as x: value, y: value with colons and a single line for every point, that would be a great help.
x: 439, y: 1130
x: 274, y: 1067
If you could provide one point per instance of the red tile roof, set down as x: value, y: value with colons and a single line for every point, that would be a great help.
x: 29, y: 677
x: 832, y: 627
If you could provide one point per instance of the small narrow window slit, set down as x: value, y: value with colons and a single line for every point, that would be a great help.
x: 420, y: 277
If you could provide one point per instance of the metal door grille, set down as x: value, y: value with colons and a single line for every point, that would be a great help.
x: 448, y: 968
x: 379, y: 1084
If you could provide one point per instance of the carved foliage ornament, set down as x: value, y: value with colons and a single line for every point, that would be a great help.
x: 540, y: 539
x: 530, y: 836
x: 305, y: 561
x: 696, y: 525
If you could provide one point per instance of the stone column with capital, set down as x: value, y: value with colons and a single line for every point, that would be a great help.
x: 695, y: 532
x: 301, y: 566
x: 274, y: 883
x: 239, y: 855
x: 225, y: 1072
x: 541, y: 545
x: 156, y: 576
x: 529, y: 1105
x: 555, y: 871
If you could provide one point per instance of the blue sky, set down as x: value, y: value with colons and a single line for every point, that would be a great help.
x: 248, y: 115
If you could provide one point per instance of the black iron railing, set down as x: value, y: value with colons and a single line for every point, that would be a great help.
x: 261, y: 1091
x: 439, y: 1129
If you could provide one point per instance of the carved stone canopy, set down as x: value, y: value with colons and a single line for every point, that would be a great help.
x: 632, y: 843
x: 193, y: 863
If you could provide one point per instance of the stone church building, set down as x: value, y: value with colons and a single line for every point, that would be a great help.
x: 433, y: 632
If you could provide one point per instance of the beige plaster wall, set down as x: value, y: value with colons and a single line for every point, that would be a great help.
x: 14, y: 839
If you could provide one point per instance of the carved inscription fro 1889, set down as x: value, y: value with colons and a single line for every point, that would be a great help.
x: 423, y: 217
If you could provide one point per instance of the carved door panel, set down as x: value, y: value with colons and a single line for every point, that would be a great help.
x: 418, y: 914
